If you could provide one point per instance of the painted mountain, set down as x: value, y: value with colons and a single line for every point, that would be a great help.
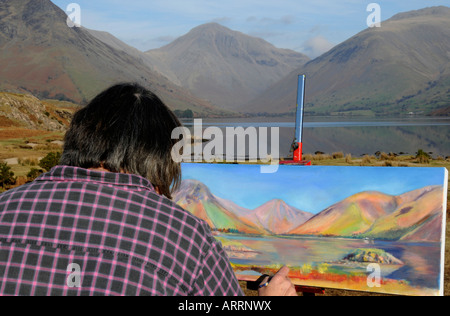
x: 350, y: 217
x: 277, y: 217
x: 196, y: 198
x: 226, y: 67
x: 413, y: 216
x: 41, y: 55
x: 274, y: 217
x: 401, y: 67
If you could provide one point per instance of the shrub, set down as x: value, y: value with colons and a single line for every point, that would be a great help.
x: 422, y: 157
x: 321, y: 156
x: 6, y: 176
x: 383, y: 156
x: 308, y: 157
x: 367, y: 159
x: 348, y: 159
x: 338, y: 155
x: 49, y: 161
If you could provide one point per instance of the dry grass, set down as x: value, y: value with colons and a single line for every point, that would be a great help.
x: 19, y: 133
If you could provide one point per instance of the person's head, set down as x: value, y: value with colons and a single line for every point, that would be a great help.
x: 125, y: 129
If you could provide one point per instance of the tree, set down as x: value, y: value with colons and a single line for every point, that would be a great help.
x: 6, y: 175
x: 49, y: 161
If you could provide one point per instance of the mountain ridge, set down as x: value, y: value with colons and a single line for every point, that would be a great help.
x: 400, y: 68
x: 393, y: 69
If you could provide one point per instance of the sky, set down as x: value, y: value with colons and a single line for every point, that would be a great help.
x: 312, y: 188
x: 311, y: 27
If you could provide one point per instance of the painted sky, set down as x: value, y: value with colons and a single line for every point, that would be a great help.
x: 310, y: 189
x: 308, y: 26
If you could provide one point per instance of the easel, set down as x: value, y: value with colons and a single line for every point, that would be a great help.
x: 297, y: 148
x: 297, y: 145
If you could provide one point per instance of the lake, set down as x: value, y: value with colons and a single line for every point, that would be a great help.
x: 352, y: 135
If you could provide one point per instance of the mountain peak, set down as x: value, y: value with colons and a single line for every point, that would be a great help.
x: 223, y: 66
x: 276, y: 216
x: 212, y: 26
x: 22, y: 19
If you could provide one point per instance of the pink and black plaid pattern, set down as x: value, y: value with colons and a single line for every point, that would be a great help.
x: 125, y: 239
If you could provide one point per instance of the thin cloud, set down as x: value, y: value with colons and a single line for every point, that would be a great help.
x: 284, y: 20
x: 316, y: 46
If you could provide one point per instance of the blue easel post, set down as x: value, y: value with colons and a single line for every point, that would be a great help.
x: 299, y: 120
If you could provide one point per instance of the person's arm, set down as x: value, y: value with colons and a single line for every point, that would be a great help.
x: 279, y: 285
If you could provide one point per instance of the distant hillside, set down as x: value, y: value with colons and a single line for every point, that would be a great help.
x: 441, y: 112
x: 43, y: 56
x: 413, y: 216
x: 401, y: 67
x: 223, y: 66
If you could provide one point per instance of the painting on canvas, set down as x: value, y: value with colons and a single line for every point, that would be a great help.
x: 369, y: 229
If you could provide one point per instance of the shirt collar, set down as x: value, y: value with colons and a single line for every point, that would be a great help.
x: 68, y: 173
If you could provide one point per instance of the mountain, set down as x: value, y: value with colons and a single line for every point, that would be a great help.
x: 196, y: 198
x: 349, y: 217
x: 416, y: 219
x: 413, y: 216
x: 223, y: 66
x: 277, y: 217
x: 43, y: 56
x: 401, y: 67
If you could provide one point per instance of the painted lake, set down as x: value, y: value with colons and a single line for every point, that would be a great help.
x: 418, y: 271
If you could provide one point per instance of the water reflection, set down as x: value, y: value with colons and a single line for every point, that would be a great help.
x: 357, y: 136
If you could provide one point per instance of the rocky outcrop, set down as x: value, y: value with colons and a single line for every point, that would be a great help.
x: 29, y: 112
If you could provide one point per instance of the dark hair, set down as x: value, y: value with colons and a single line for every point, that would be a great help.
x: 128, y: 129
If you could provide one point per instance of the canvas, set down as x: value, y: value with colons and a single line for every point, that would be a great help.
x: 375, y: 229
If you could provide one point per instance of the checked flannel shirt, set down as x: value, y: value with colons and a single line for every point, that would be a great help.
x: 81, y: 232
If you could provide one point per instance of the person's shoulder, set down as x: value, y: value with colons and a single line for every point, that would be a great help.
x: 17, y: 190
